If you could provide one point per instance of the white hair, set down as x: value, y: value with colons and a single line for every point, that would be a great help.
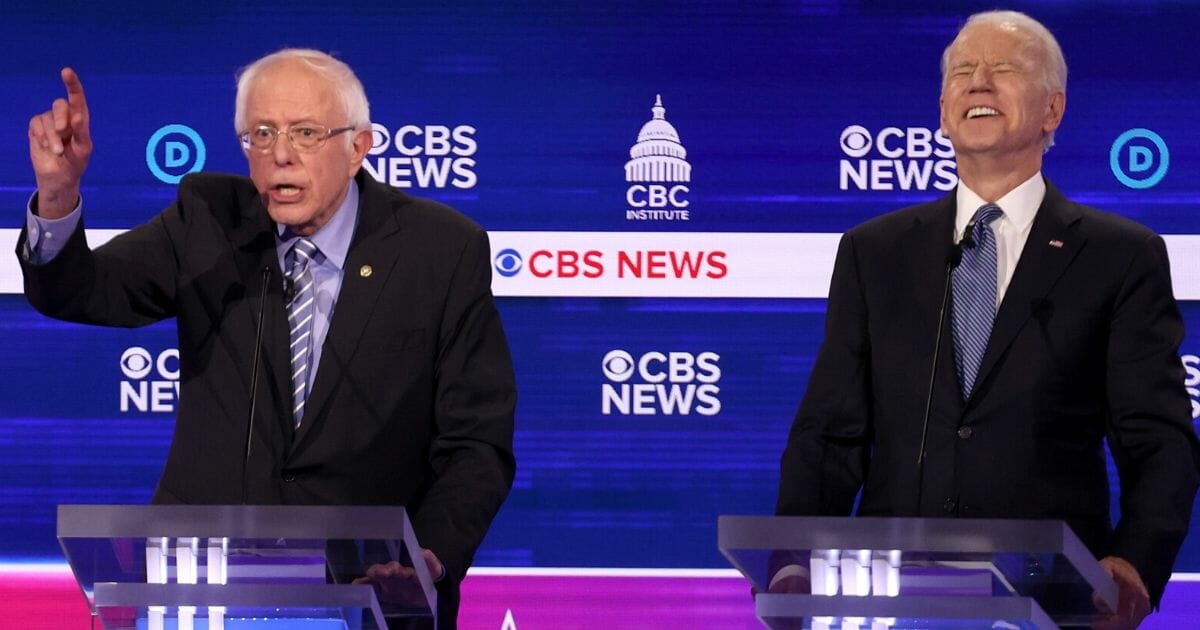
x: 1054, y: 71
x: 339, y: 75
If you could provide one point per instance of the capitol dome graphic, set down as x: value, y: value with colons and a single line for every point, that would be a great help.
x: 658, y: 155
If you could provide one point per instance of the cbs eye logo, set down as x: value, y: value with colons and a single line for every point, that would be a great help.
x: 618, y: 366
x: 137, y: 362
x: 856, y: 141
x: 508, y: 262
x: 151, y: 381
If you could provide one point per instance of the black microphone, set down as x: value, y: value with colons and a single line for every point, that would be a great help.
x: 954, y: 255
x: 968, y: 237
x: 953, y: 258
x: 258, y: 332
x: 289, y: 289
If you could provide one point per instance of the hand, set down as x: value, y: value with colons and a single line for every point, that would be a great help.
x: 792, y: 584
x: 398, y: 584
x: 1133, y: 601
x: 60, y: 145
x: 795, y: 584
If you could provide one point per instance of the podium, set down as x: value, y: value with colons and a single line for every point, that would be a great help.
x: 235, y: 567
x: 896, y: 573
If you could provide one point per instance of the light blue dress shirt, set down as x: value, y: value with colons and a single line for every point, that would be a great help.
x: 327, y: 269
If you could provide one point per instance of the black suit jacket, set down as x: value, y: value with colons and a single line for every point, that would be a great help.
x: 412, y: 402
x: 1085, y: 346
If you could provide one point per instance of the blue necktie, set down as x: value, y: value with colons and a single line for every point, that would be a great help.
x: 975, y: 298
x: 300, y: 320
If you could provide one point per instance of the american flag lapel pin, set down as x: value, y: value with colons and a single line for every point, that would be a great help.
x: 1056, y: 244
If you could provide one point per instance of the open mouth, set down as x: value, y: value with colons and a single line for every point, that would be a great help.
x: 980, y: 112
x: 285, y: 192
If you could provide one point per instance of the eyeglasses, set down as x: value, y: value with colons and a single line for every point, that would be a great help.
x: 305, y: 138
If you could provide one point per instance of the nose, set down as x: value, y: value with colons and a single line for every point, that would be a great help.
x: 981, y: 78
x: 282, y: 151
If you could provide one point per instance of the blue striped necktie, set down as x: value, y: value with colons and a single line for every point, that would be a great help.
x: 300, y: 310
x: 974, y: 308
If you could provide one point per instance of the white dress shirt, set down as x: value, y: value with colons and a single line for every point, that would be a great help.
x: 1020, y: 206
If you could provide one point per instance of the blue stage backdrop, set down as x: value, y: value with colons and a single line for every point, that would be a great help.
x: 663, y: 313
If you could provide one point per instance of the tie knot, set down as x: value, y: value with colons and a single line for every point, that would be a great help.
x: 304, y: 248
x: 298, y: 256
x: 987, y: 213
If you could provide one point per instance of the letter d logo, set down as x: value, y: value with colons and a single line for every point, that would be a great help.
x: 182, y: 152
x: 1135, y: 167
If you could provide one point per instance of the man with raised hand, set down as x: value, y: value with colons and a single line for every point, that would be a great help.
x: 1063, y: 332
x: 385, y: 375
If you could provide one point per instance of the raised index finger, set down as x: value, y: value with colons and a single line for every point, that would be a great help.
x: 75, y: 97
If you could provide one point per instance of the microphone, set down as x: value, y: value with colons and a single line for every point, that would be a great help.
x: 954, y: 255
x: 968, y: 237
x: 289, y: 288
x: 953, y: 258
x: 258, y: 332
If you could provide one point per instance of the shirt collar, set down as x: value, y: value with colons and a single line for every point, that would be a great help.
x: 1020, y: 205
x: 333, y: 239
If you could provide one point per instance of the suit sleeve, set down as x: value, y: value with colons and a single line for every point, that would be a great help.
x: 129, y: 281
x: 825, y: 459
x: 1150, y: 432
x: 474, y: 405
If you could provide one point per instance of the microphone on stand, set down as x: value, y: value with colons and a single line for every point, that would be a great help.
x: 968, y: 239
x: 258, y: 332
x: 289, y: 288
x: 953, y: 258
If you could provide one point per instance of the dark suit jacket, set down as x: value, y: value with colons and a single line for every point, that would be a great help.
x: 1085, y: 346
x: 414, y: 397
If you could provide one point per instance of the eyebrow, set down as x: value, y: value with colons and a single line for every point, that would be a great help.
x: 972, y: 64
x: 270, y: 122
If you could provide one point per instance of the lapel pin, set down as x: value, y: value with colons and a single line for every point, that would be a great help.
x: 1056, y: 244
x: 366, y: 270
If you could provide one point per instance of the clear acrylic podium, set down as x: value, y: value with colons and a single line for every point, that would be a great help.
x: 895, y: 573
x: 230, y: 567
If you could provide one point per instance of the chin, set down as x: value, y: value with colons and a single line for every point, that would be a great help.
x: 975, y: 143
x: 289, y: 216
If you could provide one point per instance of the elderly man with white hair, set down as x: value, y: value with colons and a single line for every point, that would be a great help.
x: 1060, y: 332
x: 385, y: 377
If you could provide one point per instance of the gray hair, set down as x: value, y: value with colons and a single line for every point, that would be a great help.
x: 343, y: 79
x: 1054, y: 73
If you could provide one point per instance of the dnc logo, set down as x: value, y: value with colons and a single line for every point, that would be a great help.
x: 174, y: 151
x: 1139, y: 158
